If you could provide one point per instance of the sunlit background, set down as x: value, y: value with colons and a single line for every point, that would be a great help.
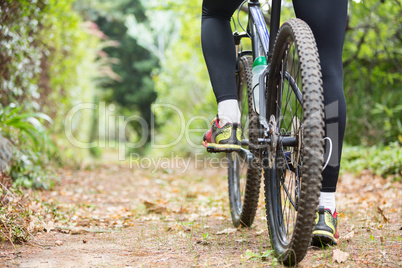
x: 100, y: 79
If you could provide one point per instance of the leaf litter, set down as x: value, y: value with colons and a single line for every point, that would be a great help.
x: 171, y: 216
x: 339, y: 256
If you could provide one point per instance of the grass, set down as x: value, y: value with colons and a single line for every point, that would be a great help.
x: 381, y: 160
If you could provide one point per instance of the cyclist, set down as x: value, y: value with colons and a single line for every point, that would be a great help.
x: 327, y: 19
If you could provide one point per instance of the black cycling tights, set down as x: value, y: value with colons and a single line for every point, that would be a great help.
x: 327, y: 19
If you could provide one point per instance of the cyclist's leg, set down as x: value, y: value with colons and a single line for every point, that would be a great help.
x: 220, y: 55
x: 327, y: 19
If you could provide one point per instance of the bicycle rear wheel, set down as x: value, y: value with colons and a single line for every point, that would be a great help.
x: 244, y: 179
x: 293, y: 171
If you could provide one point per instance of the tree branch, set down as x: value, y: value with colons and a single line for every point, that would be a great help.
x: 359, y: 45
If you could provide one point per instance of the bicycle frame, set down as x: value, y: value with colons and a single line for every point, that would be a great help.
x: 258, y: 29
x: 262, y: 46
x: 286, y: 137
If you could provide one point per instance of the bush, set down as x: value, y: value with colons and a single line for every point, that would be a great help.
x: 372, y: 71
x: 30, y: 146
x: 382, y: 160
x: 48, y: 65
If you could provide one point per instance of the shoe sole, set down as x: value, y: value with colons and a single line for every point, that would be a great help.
x: 215, y: 147
x: 323, y: 238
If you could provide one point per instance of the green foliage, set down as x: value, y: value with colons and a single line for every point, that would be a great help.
x: 392, y: 121
x: 29, y: 170
x: 183, y: 83
x: 70, y: 64
x: 133, y: 88
x: 11, y: 120
x: 33, y: 147
x: 20, y: 52
x: 381, y: 160
x: 42, y: 44
x: 372, y: 67
x: 372, y: 57
x: 135, y: 91
x: 48, y: 60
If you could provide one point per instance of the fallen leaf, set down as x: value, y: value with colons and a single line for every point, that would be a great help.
x: 77, y: 230
x: 49, y: 226
x: 260, y: 232
x: 339, y: 256
x: 227, y: 231
x: 182, y: 210
x: 178, y: 227
x: 148, y: 204
x: 387, y: 185
x: 150, y: 218
x: 158, y: 209
x: 384, y: 253
x: 35, y: 207
x: 152, y: 207
x: 382, y: 214
x: 193, y: 217
x: 349, y: 236
x: 191, y: 195
x: 64, y: 231
x: 203, y: 242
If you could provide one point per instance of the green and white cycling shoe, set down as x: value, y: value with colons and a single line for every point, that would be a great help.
x: 226, y: 137
x: 326, y: 228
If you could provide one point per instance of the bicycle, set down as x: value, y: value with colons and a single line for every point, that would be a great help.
x: 284, y: 138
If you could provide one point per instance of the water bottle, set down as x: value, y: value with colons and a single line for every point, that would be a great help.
x: 258, y: 66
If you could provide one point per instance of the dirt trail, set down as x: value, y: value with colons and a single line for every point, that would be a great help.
x: 113, y: 216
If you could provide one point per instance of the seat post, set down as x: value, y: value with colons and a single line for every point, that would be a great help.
x: 275, y: 20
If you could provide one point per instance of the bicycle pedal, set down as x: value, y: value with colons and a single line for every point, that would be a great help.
x: 221, y: 148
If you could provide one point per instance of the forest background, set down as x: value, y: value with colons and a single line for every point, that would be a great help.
x: 81, y: 78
